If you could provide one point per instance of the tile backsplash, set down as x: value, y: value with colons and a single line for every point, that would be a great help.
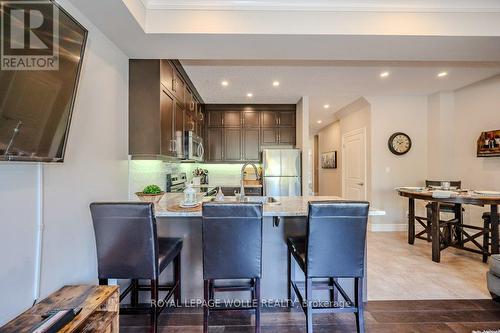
x: 142, y: 173
x: 146, y: 172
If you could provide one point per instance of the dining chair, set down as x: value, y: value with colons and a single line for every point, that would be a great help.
x: 446, y: 225
x: 334, y: 247
x: 232, y: 254
x: 128, y: 247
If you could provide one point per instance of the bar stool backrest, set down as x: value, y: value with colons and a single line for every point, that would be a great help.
x: 336, y: 237
x: 126, y: 240
x: 232, y: 240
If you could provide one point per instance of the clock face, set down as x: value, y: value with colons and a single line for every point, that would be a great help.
x: 399, y: 143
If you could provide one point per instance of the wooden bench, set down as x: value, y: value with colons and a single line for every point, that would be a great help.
x: 99, y: 304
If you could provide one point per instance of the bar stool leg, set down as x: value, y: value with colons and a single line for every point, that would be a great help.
x: 358, y: 299
x: 257, y: 309
x: 333, y: 291
x: 154, y: 306
x: 309, y: 312
x: 206, y: 293
x: 291, y: 277
x: 134, y: 296
x: 177, y: 278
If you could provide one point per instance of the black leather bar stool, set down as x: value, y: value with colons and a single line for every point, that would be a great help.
x: 486, y: 235
x: 333, y: 248
x: 232, y: 251
x: 128, y: 248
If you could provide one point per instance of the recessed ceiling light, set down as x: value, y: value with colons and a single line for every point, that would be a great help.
x: 225, y: 83
x: 326, y: 106
x: 442, y: 74
x: 249, y: 95
x: 384, y: 74
x: 319, y: 121
x: 276, y: 83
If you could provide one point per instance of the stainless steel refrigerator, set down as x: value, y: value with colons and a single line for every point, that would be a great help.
x: 282, y: 172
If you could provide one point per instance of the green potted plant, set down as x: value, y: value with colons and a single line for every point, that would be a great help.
x: 151, y: 193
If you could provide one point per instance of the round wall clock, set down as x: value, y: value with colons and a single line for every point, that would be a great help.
x: 399, y: 143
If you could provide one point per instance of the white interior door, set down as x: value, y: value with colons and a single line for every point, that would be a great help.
x: 354, y: 165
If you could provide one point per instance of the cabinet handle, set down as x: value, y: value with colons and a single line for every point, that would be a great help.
x: 222, y: 120
x: 279, y: 121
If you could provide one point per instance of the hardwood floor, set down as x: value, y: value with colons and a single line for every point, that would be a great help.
x: 399, y: 271
x: 407, y: 292
x: 453, y: 316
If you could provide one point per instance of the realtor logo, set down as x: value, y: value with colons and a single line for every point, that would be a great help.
x: 29, y: 35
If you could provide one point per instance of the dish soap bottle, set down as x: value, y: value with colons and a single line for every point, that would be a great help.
x: 219, y: 196
x: 189, y: 195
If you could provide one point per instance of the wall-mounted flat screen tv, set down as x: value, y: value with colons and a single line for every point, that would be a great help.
x: 42, y: 51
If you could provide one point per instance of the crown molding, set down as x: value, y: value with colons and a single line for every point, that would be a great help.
x: 348, y: 6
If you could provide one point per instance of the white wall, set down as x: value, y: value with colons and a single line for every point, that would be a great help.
x: 95, y: 168
x: 477, y: 109
x: 390, y: 114
x: 440, y: 127
x: 352, y: 117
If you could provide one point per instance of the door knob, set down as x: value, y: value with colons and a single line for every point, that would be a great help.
x: 360, y: 184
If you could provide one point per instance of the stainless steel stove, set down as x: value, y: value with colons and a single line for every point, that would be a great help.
x: 176, y: 182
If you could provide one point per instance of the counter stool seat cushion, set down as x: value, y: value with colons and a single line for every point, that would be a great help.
x: 168, y: 249
x: 495, y: 265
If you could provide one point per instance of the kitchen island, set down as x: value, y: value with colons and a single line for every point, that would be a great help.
x: 281, y: 220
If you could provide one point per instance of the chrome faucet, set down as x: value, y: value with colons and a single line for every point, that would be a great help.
x: 242, y: 187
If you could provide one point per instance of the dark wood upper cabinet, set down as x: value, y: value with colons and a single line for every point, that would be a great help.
x: 286, y: 118
x: 151, y: 110
x: 167, y: 124
x: 178, y: 87
x: 269, y: 118
x: 215, y: 118
x: 232, y: 119
x: 287, y: 136
x: 251, y: 144
x: 249, y: 128
x: 215, y: 144
x: 166, y: 74
x: 251, y: 119
x: 232, y: 144
x: 157, y: 106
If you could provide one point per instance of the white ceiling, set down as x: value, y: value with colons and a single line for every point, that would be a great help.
x: 335, y: 61
x: 333, y: 83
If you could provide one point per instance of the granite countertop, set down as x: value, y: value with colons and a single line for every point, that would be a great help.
x: 289, y: 206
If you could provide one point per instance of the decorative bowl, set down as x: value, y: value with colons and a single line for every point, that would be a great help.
x: 154, y: 198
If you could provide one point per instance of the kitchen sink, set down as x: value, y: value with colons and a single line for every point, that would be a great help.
x: 255, y: 199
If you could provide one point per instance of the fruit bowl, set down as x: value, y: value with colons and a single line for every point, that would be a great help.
x: 154, y: 198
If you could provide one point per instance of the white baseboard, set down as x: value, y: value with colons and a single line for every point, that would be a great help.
x: 387, y: 227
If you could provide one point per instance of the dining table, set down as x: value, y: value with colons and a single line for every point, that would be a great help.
x: 458, y: 199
